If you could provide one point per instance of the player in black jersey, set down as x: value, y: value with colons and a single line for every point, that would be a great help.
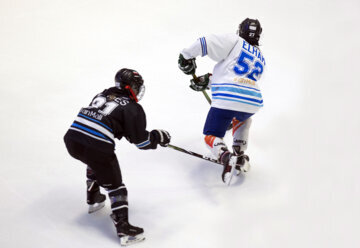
x: 114, y: 113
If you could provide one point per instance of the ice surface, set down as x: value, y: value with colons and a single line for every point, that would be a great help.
x: 303, y: 189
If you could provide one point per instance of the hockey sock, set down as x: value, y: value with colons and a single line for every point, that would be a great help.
x: 216, y: 145
x: 90, y: 174
x: 119, y: 202
x: 241, y: 134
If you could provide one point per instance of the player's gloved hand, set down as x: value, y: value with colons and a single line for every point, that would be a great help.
x: 188, y: 66
x: 161, y: 136
x: 201, y: 83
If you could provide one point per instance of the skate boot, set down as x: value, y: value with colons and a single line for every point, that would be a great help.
x: 227, y: 159
x: 229, y: 169
x: 127, y: 233
x: 243, y: 164
x: 95, y: 199
x: 238, y: 163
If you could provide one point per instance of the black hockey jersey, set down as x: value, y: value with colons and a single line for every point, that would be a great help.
x: 111, y: 114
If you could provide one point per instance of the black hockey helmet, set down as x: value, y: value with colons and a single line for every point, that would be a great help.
x: 250, y: 30
x: 131, y: 81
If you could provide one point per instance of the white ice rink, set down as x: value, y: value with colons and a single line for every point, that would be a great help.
x: 303, y: 189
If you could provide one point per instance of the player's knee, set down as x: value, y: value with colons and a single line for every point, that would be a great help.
x: 248, y: 121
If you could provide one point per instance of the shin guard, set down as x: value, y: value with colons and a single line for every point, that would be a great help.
x: 216, y: 145
x: 240, y: 135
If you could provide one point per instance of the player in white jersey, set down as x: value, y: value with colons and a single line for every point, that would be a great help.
x: 236, y: 95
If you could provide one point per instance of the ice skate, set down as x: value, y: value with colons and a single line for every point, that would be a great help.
x: 127, y: 233
x: 238, y: 162
x: 229, y: 169
x: 229, y: 161
x: 243, y: 164
x: 95, y: 199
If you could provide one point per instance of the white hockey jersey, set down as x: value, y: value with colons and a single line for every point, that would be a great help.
x: 234, y: 84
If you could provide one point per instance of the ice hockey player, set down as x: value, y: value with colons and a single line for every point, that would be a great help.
x: 114, y: 113
x: 235, y: 92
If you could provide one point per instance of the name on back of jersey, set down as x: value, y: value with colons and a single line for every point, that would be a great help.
x: 91, y: 113
x: 254, y: 51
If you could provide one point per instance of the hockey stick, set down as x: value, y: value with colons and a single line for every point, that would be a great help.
x: 197, y: 155
x: 208, y: 98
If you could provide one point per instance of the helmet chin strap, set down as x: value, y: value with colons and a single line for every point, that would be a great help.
x: 132, y: 94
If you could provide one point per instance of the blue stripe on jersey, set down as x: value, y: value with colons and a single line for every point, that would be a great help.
x: 98, y: 122
x: 239, y: 97
x: 234, y: 100
x: 237, y: 86
x: 143, y: 144
x: 206, y: 52
x: 90, y: 131
x: 237, y: 90
x: 203, y: 46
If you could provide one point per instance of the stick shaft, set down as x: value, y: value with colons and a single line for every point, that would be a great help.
x: 206, y: 96
x: 197, y: 155
x: 193, y: 154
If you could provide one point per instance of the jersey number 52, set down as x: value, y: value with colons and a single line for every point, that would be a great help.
x: 243, y: 66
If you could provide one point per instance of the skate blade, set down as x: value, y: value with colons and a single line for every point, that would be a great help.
x: 95, y: 207
x: 129, y: 240
x: 228, y: 176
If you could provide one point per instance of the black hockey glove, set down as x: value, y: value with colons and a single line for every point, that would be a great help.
x: 201, y: 83
x: 162, y: 137
x: 188, y: 66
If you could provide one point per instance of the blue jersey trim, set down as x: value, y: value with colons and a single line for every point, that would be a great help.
x: 98, y: 122
x: 239, y: 97
x: 234, y: 100
x: 90, y: 131
x: 237, y: 86
x: 143, y: 144
x: 203, y: 46
x: 237, y: 90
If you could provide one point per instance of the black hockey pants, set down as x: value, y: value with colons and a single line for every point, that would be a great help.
x: 105, y: 165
